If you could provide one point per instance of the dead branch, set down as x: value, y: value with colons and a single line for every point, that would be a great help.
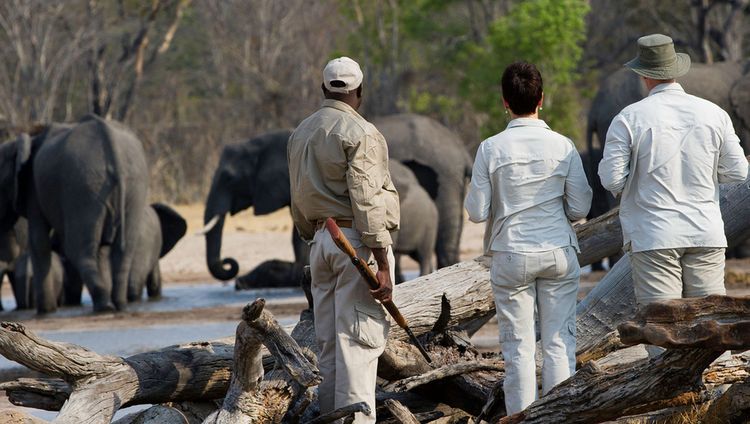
x: 443, y: 372
x: 347, y: 412
x: 400, y: 412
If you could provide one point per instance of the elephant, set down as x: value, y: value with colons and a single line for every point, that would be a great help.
x: 419, y: 221
x: 726, y: 83
x: 12, y: 243
x: 66, y: 286
x: 255, y: 173
x: 273, y: 273
x: 442, y: 165
x: 161, y: 229
x: 87, y: 182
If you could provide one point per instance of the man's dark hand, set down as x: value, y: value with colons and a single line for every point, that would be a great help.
x: 384, y: 292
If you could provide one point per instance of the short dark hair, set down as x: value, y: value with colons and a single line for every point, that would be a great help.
x: 522, y: 87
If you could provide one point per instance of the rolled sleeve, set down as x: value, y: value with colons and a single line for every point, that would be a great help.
x: 732, y: 161
x: 479, y: 198
x: 615, y: 165
x: 578, y: 193
x: 366, y: 176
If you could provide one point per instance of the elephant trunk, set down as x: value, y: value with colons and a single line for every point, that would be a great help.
x: 450, y: 224
x: 217, y: 206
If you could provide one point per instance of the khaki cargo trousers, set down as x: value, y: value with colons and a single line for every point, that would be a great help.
x: 350, y: 326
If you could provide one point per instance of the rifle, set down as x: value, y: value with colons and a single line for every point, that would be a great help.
x: 341, y: 241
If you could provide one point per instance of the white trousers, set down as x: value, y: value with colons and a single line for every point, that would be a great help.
x: 549, y: 281
x: 351, y: 327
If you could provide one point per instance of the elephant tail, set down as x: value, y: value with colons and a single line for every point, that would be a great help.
x: 119, y: 191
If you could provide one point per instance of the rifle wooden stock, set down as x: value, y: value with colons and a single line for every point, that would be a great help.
x: 343, y: 243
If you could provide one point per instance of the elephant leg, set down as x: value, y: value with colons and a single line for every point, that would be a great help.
x: 153, y: 284
x: 122, y: 259
x: 22, y: 284
x: 82, y: 246
x: 135, y: 290
x: 399, y: 275
x: 72, y: 285
x: 40, y: 250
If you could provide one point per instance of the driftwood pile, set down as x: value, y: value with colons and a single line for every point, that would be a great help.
x: 264, y: 375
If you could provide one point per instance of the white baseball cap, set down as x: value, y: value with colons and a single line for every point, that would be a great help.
x: 342, y: 75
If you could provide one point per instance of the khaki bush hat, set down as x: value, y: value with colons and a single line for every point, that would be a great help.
x: 657, y: 59
x: 342, y: 75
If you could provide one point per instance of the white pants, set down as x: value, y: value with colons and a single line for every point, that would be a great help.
x: 520, y: 281
x: 350, y: 326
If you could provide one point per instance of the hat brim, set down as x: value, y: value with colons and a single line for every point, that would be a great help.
x: 677, y: 69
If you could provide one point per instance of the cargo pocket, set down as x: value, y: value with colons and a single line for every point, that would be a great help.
x: 370, y: 326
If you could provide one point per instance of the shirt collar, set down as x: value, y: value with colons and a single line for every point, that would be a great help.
x: 666, y: 86
x: 338, y: 104
x: 527, y: 122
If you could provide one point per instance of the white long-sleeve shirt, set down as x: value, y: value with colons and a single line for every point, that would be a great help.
x: 529, y: 182
x: 667, y: 155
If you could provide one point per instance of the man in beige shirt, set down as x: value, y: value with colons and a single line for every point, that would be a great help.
x: 338, y: 167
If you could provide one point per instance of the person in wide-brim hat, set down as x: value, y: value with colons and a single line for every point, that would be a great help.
x: 665, y: 157
x: 657, y: 58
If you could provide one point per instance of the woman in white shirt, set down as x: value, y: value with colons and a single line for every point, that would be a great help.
x: 528, y: 183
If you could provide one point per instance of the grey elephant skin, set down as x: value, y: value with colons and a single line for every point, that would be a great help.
x: 13, y: 243
x: 255, y: 173
x: 88, y: 183
x: 161, y: 229
x: 442, y: 165
x: 66, y: 286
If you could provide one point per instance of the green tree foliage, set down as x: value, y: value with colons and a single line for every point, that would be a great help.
x: 547, y: 33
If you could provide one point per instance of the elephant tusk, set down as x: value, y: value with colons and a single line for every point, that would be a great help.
x: 209, y: 226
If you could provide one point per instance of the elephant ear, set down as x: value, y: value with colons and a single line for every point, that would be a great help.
x: 739, y: 98
x: 271, y: 191
x: 173, y: 227
x: 23, y: 155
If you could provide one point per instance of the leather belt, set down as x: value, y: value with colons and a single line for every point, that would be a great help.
x: 342, y: 223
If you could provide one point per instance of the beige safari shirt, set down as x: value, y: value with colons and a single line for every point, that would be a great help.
x: 338, y: 167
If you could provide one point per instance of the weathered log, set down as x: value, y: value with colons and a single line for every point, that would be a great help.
x: 600, y: 237
x: 400, y: 412
x: 596, y: 394
x: 733, y: 370
x: 733, y: 406
x: 343, y: 413
x: 243, y: 402
x: 48, y: 394
x: 713, y: 322
x: 442, y: 373
x: 103, y: 384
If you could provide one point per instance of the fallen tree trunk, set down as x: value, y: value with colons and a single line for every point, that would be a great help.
x: 713, y: 322
x: 103, y: 384
x: 595, y: 394
x: 697, y: 331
